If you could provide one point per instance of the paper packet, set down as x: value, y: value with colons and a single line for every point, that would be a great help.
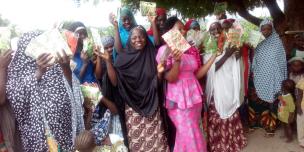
x: 48, y: 42
x: 147, y: 8
x: 97, y: 39
x: 175, y: 40
x: 254, y: 38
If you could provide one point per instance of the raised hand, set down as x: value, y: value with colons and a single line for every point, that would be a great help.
x: 105, y: 56
x: 84, y: 57
x: 177, y: 55
x: 152, y: 19
x: 230, y: 50
x: 5, y: 59
x: 113, y: 19
x: 63, y: 60
x: 161, y: 68
x: 43, y: 62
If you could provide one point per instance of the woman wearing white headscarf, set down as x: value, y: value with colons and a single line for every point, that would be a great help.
x: 225, y: 130
x: 46, y: 100
x: 269, y: 70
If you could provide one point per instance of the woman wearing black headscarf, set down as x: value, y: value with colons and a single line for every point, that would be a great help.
x: 134, y: 79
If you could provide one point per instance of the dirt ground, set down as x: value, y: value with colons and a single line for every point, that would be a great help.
x: 258, y: 143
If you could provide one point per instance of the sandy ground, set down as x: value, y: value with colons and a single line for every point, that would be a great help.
x: 258, y: 143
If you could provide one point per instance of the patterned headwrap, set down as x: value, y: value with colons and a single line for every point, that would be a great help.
x: 161, y: 11
x: 107, y: 41
x: 265, y: 22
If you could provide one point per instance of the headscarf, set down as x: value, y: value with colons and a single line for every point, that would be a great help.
x: 188, y: 23
x: 137, y: 77
x: 124, y: 33
x: 269, y: 66
x: 136, y: 81
x: 159, y: 12
x: 51, y: 98
x: 265, y: 22
x: 76, y: 26
x: 194, y: 24
x: 107, y: 41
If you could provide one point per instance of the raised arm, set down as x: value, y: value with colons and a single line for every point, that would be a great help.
x: 110, y: 105
x: 5, y: 59
x: 85, y: 63
x: 172, y: 75
x: 98, y: 67
x: 156, y: 35
x: 110, y: 69
x: 117, y: 43
x: 204, y: 69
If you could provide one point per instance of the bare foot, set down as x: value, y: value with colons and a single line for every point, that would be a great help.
x: 288, y: 140
x: 269, y: 135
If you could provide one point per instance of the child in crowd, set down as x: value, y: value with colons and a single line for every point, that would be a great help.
x: 299, y: 94
x: 297, y: 59
x: 296, y: 69
x: 84, y: 142
x: 287, y: 107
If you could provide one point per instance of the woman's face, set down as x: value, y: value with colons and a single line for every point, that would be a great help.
x: 138, y: 39
x: 180, y: 27
x: 297, y: 66
x: 109, y: 48
x: 160, y: 21
x: 82, y: 34
x: 299, y: 42
x: 126, y: 22
x: 266, y: 30
x: 215, y: 29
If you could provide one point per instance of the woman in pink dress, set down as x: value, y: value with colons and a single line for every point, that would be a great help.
x: 183, y: 92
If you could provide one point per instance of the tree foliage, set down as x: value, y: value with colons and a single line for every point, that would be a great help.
x: 196, y: 8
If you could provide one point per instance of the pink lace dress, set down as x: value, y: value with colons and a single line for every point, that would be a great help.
x: 184, y: 104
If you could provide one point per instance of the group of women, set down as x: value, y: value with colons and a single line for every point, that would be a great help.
x: 157, y: 103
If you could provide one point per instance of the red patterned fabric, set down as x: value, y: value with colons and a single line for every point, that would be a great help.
x: 225, y: 135
x: 145, y: 134
x: 245, y: 56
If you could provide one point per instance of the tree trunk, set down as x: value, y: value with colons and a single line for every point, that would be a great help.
x: 291, y: 19
x: 294, y: 11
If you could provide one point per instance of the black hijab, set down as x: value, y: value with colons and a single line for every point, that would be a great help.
x: 137, y: 77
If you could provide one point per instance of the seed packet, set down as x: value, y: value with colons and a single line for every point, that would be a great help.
x: 97, y: 39
x: 91, y: 92
x: 48, y: 42
x: 175, y: 40
x: 220, y: 7
x: 234, y: 37
x: 147, y: 8
x: 255, y: 38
